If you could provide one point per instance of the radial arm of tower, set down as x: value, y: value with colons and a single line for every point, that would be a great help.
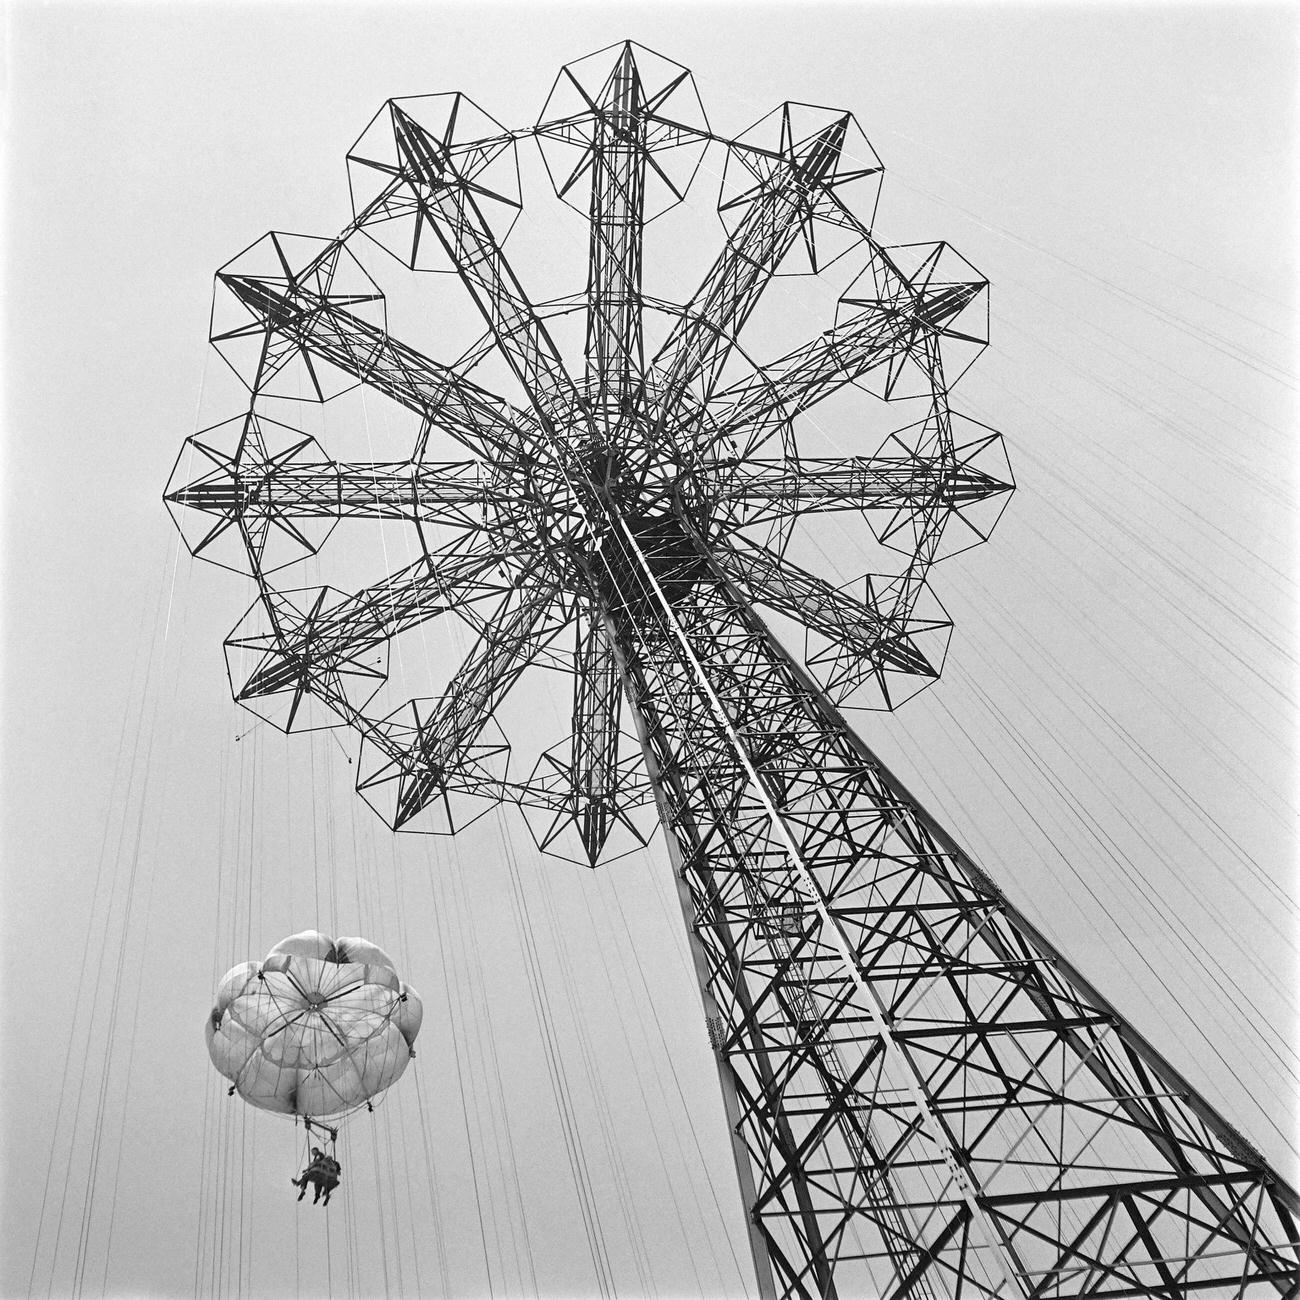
x: 617, y: 158
x: 774, y: 489
x: 447, y: 204
x: 317, y: 327
x: 437, y: 749
x: 310, y: 643
x: 449, y: 492
x: 883, y: 334
x: 774, y: 214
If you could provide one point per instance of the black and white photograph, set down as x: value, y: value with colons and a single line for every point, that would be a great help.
x: 649, y: 650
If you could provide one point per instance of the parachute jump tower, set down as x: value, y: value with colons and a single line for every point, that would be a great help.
x: 925, y: 1098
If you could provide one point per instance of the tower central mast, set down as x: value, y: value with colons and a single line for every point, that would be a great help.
x: 925, y: 1089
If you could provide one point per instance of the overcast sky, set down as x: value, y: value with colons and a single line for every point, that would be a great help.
x: 1113, y: 736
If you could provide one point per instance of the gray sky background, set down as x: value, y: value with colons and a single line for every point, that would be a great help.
x: 1113, y: 736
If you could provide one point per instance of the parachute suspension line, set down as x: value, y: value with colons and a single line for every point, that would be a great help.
x: 245, y: 824
x: 390, y: 1165
x: 655, y: 1054
x: 456, y: 1024
x: 636, y: 1071
x: 318, y: 1133
x: 320, y: 922
x: 247, y: 1197
x: 383, y: 1218
x: 132, y: 779
x: 560, y: 1088
x: 373, y: 855
x: 407, y: 1203
x: 1204, y: 741
x: 331, y: 844
x: 384, y: 1180
x: 365, y: 882
x: 389, y: 853
x: 329, y: 1259
x: 1206, y: 738
x: 1263, y: 972
x: 202, y: 1186
x: 233, y: 1121
x: 1189, y: 805
x: 378, y: 856
x: 481, y: 1040
x: 510, y: 855
x: 590, y: 1063
x: 291, y: 861
x: 151, y: 856
x: 350, y: 1251
x: 131, y: 1039
x: 1240, y: 994
x: 432, y: 1182
x: 365, y: 861
x: 233, y: 1134
x: 256, y: 848
x: 485, y: 1040
x: 207, y: 1186
x: 78, y: 1002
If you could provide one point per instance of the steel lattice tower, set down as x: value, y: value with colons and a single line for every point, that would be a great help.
x: 926, y: 1099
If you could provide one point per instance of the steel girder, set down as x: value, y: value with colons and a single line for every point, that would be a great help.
x: 930, y: 1101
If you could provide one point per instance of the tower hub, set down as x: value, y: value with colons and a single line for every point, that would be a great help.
x: 558, y: 496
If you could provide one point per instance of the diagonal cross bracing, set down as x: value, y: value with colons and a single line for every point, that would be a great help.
x: 981, y: 1061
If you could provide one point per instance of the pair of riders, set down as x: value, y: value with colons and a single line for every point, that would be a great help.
x: 323, y: 1173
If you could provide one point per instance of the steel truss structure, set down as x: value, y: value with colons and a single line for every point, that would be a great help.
x: 926, y: 1099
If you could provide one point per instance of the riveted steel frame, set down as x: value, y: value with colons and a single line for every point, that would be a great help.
x: 952, y: 1111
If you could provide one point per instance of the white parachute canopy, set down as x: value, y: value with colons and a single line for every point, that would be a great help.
x: 317, y: 1029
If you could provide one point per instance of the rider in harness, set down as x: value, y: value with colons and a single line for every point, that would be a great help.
x: 323, y: 1173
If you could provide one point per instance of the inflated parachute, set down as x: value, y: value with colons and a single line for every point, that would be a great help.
x: 317, y: 1029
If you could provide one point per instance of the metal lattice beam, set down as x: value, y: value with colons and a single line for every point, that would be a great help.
x: 909, y: 1028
